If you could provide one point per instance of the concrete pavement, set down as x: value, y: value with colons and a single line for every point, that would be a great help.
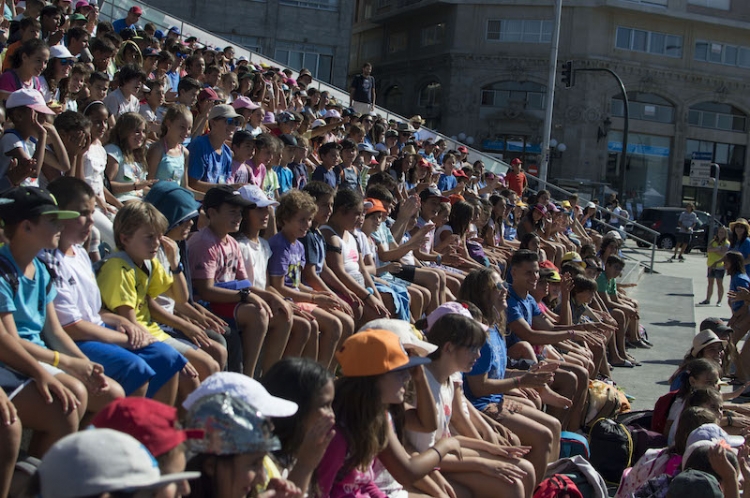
x: 669, y: 313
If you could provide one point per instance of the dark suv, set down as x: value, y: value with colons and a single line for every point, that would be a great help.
x: 664, y: 221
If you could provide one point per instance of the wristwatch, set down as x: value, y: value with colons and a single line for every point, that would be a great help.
x: 179, y: 269
x: 244, y: 294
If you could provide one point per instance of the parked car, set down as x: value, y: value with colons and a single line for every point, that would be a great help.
x: 664, y: 221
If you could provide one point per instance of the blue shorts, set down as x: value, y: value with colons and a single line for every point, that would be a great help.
x: 155, y: 364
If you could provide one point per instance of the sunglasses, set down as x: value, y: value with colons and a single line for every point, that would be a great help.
x: 233, y: 121
x: 501, y: 286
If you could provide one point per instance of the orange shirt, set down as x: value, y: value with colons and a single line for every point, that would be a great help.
x: 516, y: 182
x: 7, y: 64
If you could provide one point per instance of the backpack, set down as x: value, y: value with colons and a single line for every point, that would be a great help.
x: 9, y: 272
x: 644, y: 440
x: 653, y: 463
x: 583, y: 475
x: 656, y: 487
x: 661, y: 411
x: 572, y: 444
x: 611, y: 449
x: 603, y: 402
x: 557, y: 486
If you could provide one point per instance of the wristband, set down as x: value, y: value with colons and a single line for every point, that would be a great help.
x: 439, y: 259
x: 56, y: 359
x: 438, y: 452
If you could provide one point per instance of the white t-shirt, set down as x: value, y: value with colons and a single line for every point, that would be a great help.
x: 9, y: 142
x: 256, y: 256
x: 443, y: 395
x: 117, y: 103
x: 78, y: 297
x: 674, y: 415
x: 94, y: 164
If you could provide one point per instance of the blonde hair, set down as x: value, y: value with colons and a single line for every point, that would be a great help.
x: 173, y: 112
x: 292, y: 203
x: 134, y: 215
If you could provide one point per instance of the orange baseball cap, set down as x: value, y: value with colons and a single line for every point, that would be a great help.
x: 374, y: 206
x: 375, y: 352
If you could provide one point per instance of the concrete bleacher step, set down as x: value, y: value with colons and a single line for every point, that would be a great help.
x: 667, y: 313
x: 632, y: 272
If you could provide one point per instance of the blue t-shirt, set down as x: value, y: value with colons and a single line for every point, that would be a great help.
x: 323, y: 175
x: 315, y: 249
x: 285, y: 177
x: 518, y: 308
x: 287, y: 260
x: 737, y: 281
x: 299, y: 171
x: 206, y: 165
x: 447, y: 182
x: 492, y: 361
x: 29, y: 305
x: 744, y: 248
x: 119, y: 25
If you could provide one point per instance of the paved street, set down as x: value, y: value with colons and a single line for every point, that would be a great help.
x: 667, y: 299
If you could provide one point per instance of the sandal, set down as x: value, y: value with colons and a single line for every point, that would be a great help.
x: 625, y: 364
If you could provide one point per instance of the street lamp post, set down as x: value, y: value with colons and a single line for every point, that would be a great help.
x: 552, y: 76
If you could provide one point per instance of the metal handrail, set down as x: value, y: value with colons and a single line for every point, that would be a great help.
x: 163, y: 20
x: 554, y: 187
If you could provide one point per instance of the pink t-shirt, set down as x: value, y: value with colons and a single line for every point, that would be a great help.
x: 354, y: 484
x: 240, y: 173
x: 257, y: 173
x: 9, y: 82
x: 213, y: 259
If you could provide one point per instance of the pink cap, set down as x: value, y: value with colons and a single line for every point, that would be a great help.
x: 81, y: 4
x: 448, y: 308
x: 244, y: 103
x: 28, y: 97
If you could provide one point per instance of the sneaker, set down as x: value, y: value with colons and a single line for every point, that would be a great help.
x: 718, y: 305
x: 704, y: 302
x: 681, y: 259
x: 671, y: 260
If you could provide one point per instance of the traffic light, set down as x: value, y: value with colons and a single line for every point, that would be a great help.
x: 568, y: 76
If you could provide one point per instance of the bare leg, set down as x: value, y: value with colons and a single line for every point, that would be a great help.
x: 253, y: 324
x: 299, y: 337
x: 167, y: 394
x: 10, y: 443
x: 330, y: 334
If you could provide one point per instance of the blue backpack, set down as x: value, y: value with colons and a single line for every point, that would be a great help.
x: 572, y: 444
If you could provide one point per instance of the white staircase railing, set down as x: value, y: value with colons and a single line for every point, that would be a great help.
x: 117, y: 9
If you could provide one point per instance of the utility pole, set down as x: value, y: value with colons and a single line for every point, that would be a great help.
x: 551, y: 78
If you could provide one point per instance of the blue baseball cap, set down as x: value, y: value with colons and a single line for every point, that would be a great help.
x: 176, y: 203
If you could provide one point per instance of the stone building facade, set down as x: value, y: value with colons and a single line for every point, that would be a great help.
x: 298, y: 33
x: 479, y: 68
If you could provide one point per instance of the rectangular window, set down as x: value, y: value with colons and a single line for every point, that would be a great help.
x: 650, y: 42
x: 312, y: 4
x: 318, y: 59
x: 519, y: 30
x: 721, y: 53
x: 432, y: 35
x: 711, y: 4
x: 397, y: 42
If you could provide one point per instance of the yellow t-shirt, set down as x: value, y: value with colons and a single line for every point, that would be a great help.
x: 122, y: 285
x: 715, y: 258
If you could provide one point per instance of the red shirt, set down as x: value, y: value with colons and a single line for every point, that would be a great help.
x: 516, y: 182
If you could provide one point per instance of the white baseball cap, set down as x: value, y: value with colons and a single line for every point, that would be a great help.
x: 243, y: 387
x: 405, y: 331
x: 96, y: 461
x: 255, y: 195
x: 60, y: 52
x: 614, y: 234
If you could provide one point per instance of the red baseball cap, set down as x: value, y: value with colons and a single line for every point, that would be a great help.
x: 516, y: 161
x: 548, y: 265
x: 136, y: 10
x: 152, y: 423
x: 462, y: 149
x: 208, y: 94
x: 460, y: 173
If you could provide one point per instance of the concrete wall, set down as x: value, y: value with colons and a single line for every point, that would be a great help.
x: 271, y: 21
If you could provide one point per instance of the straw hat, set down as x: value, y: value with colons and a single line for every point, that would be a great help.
x: 740, y: 221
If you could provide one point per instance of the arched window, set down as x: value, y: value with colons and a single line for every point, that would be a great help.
x: 531, y: 96
x: 644, y: 106
x: 394, y: 98
x: 430, y: 95
x: 717, y: 116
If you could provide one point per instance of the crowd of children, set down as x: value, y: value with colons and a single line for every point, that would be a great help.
x: 178, y: 223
